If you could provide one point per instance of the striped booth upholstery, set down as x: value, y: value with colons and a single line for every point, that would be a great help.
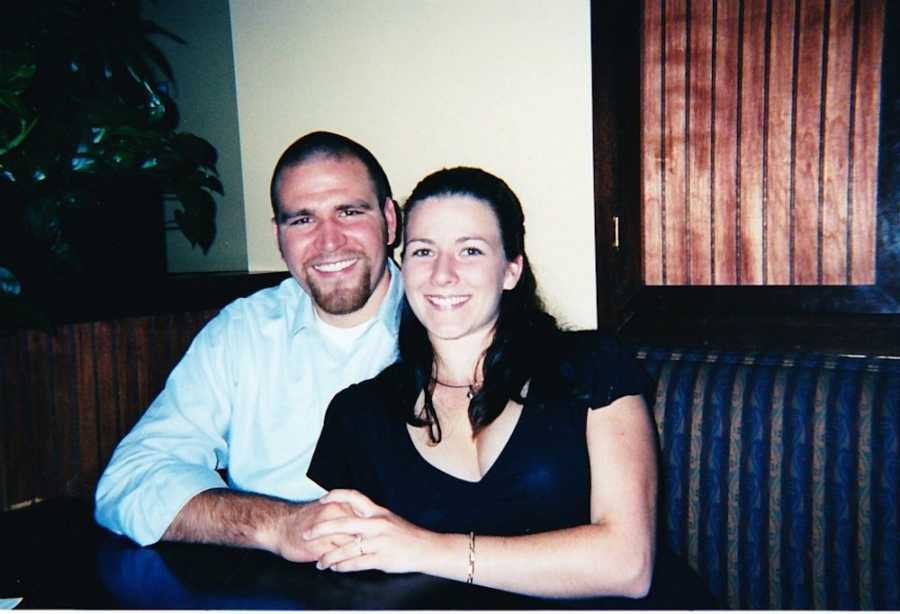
x: 780, y: 475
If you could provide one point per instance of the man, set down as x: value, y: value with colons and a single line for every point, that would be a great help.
x: 251, y: 391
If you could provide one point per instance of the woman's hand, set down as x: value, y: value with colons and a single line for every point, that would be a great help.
x: 385, y: 541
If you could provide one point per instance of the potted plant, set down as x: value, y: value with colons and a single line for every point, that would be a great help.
x: 89, y: 149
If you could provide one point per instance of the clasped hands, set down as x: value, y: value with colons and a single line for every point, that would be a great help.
x: 370, y: 537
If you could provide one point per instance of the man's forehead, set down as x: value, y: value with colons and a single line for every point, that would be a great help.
x: 330, y: 170
x: 327, y: 173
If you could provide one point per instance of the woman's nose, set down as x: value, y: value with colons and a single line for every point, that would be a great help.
x: 444, y: 271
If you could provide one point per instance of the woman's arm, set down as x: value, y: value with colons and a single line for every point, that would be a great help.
x: 611, y: 556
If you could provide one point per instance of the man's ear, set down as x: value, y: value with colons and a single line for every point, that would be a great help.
x: 392, y: 221
x: 513, y: 273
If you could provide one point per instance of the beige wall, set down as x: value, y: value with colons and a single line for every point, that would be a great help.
x: 500, y: 84
x: 204, y: 91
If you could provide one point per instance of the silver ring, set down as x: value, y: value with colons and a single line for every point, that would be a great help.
x: 359, y: 544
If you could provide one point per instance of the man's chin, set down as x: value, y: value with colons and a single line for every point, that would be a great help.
x: 342, y: 301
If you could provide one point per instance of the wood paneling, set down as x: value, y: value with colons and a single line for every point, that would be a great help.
x: 780, y: 146
x: 808, y: 137
x: 69, y: 396
x: 751, y: 131
x: 674, y: 113
x: 723, y: 170
x: 760, y: 147
x: 699, y: 144
x: 864, y: 174
x: 836, y: 144
x: 651, y: 140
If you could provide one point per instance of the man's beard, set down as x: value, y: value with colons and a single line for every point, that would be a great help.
x: 343, y: 300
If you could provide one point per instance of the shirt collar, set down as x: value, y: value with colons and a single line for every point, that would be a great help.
x: 388, y: 313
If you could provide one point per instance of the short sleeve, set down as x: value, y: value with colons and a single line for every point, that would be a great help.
x: 599, y: 369
x: 615, y: 371
x: 332, y: 463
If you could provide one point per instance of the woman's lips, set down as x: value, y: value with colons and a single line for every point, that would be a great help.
x: 447, y: 303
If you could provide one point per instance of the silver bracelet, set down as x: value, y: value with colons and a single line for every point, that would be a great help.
x: 471, y: 575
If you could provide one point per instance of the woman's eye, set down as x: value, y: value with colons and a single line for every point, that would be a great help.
x: 421, y: 252
x: 472, y: 251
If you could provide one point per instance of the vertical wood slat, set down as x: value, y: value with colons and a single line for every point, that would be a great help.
x: 126, y: 399
x: 105, y: 346
x: 752, y: 128
x: 699, y: 144
x: 779, y: 146
x: 674, y: 143
x: 651, y: 144
x: 62, y: 353
x: 806, y: 178
x: 143, y: 383
x: 86, y: 402
x: 724, y: 169
x: 864, y: 175
x: 836, y: 141
x: 793, y: 162
x: 41, y: 422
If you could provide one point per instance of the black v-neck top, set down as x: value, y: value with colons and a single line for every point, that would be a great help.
x: 539, y: 482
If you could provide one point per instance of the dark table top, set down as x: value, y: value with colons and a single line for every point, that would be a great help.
x: 55, y: 556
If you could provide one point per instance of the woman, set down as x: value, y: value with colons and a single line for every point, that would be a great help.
x: 498, y: 450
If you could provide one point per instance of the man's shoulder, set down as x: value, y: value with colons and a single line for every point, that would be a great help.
x: 273, y: 303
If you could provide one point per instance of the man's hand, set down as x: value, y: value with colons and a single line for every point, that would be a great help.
x: 289, y: 542
x: 231, y: 518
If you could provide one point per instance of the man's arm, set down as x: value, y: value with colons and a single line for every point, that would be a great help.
x: 162, y: 481
x: 172, y: 453
x: 227, y: 517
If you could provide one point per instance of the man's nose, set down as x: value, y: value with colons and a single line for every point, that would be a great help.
x: 330, y: 236
x: 444, y: 271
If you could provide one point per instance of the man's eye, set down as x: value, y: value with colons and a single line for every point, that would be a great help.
x: 300, y: 221
x: 350, y: 212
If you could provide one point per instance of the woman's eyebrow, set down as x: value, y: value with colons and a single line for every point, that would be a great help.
x: 418, y: 240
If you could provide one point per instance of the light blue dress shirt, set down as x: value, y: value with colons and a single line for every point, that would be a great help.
x: 249, y: 395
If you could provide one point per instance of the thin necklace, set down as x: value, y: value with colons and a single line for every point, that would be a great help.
x: 473, y: 388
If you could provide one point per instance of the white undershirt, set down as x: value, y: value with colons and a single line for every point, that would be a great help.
x: 343, y: 338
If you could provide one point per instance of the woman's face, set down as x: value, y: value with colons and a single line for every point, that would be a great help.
x: 454, y: 266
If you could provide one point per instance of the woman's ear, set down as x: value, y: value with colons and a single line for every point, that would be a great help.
x: 513, y: 273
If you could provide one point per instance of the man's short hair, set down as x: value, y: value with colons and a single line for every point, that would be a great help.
x: 329, y: 145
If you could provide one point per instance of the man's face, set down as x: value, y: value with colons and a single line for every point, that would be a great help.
x: 333, y: 236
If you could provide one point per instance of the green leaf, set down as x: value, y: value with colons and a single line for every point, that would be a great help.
x: 211, y: 182
x: 195, y: 149
x: 197, y: 220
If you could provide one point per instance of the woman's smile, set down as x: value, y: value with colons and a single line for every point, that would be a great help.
x: 448, y: 303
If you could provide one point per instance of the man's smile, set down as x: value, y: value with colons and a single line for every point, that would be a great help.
x: 336, y: 266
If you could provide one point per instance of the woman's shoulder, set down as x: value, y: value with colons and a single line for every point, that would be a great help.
x: 587, y: 347
x: 593, y: 366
